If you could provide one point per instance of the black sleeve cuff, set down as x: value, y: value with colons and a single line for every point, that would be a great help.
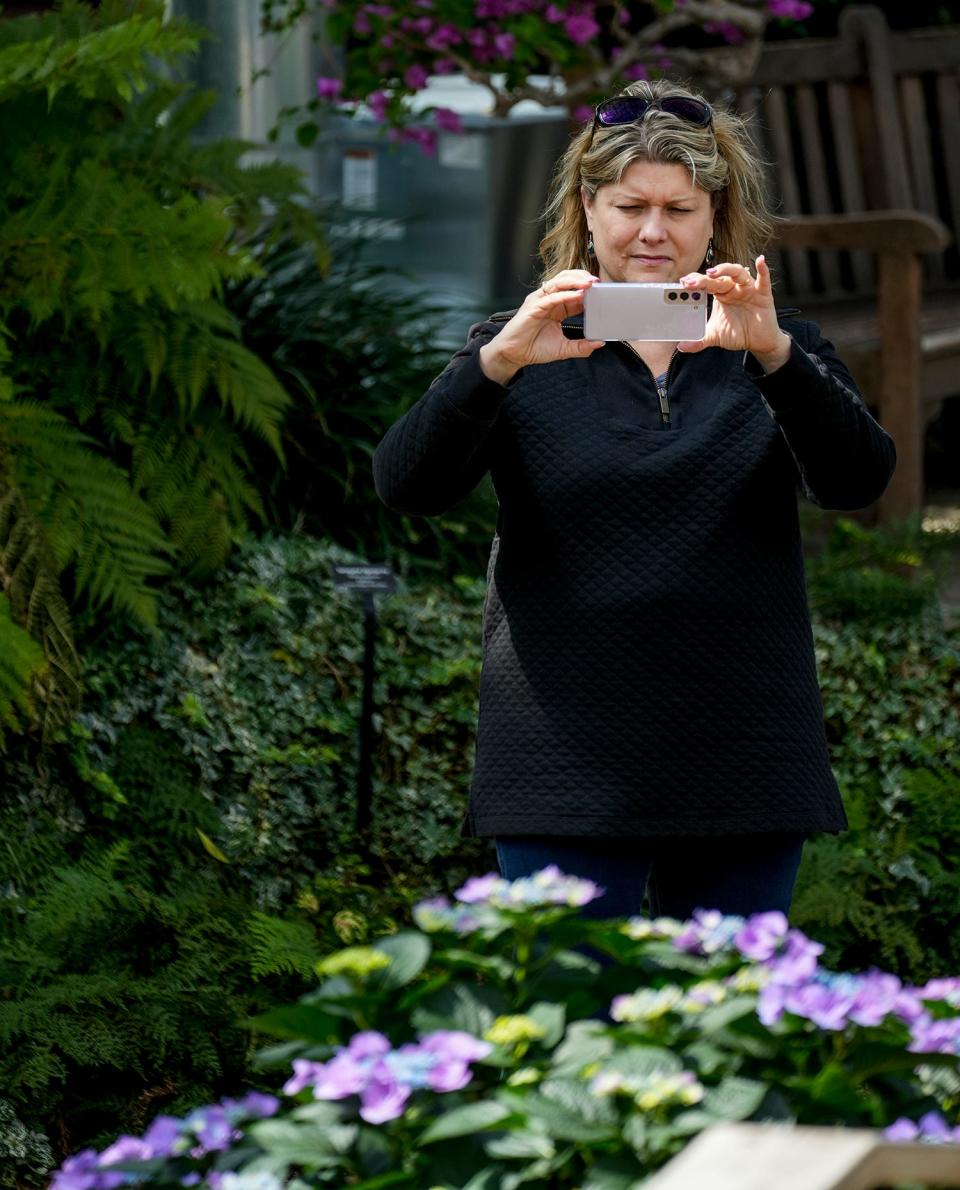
x: 791, y: 383
x: 473, y: 394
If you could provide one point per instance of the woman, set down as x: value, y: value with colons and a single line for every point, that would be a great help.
x: 649, y: 707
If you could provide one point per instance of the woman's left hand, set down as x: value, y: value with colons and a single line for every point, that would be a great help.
x: 743, y: 317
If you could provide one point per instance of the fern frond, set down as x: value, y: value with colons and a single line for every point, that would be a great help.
x: 281, y: 946
x: 29, y: 576
x: 109, y: 56
x: 90, y: 515
x: 21, y: 664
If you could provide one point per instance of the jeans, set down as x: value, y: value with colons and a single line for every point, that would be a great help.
x: 737, y: 874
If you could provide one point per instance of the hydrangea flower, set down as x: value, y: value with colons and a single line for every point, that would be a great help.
x: 931, y: 1128
x: 509, y: 1030
x: 646, y: 1004
x: 652, y: 1091
x: 354, y: 960
x: 708, y: 932
x: 383, y: 1077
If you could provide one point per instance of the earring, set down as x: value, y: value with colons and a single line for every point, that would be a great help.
x: 711, y: 255
x: 590, y: 250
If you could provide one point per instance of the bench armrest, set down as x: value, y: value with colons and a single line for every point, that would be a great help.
x: 873, y: 231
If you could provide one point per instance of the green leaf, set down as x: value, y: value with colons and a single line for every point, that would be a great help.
x: 586, y: 1042
x: 522, y: 1143
x: 465, y: 1120
x: 460, y: 1006
x: 211, y: 848
x: 409, y: 952
x: 560, y: 1122
x: 720, y: 1015
x: 307, y: 133
x: 496, y: 964
x: 551, y: 1018
x: 734, y: 1098
x: 641, y: 1061
x: 306, y: 1022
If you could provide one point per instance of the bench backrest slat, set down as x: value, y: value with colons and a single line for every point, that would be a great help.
x: 866, y: 121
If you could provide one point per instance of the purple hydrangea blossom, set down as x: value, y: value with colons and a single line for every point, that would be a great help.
x: 931, y: 1128
x: 928, y: 1036
x: 82, y: 1172
x: 384, y: 1078
x: 707, y: 932
x: 761, y: 935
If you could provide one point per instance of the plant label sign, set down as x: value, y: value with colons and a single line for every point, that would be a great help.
x: 364, y: 576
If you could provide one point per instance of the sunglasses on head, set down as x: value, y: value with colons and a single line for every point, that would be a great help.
x: 625, y: 109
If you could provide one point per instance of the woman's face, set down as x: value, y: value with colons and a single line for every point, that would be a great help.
x: 652, y: 225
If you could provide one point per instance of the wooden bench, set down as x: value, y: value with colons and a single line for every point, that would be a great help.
x: 863, y: 136
x: 796, y: 1157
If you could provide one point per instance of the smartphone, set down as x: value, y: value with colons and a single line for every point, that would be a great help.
x: 652, y: 310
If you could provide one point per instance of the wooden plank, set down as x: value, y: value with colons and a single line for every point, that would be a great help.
x: 917, y: 137
x: 872, y: 231
x: 788, y: 1157
x: 847, y: 158
x: 815, y: 162
x: 775, y: 116
x: 815, y: 60
x: 900, y: 411
x: 948, y: 102
x: 870, y: 26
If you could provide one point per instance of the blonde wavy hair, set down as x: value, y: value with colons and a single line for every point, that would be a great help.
x: 720, y: 158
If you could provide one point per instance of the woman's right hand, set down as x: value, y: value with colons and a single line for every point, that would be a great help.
x: 534, y: 335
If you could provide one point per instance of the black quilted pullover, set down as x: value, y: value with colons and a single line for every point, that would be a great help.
x: 648, y: 663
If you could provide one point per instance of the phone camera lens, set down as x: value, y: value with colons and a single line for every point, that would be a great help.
x: 672, y: 296
x: 695, y: 296
x: 685, y: 296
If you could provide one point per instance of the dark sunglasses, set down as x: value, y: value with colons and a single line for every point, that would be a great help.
x: 627, y: 108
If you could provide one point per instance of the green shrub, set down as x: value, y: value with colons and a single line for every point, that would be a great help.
x: 491, y: 1049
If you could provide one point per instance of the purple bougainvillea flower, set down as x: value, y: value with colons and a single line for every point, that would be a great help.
x: 415, y: 77
x: 443, y: 36
x: 554, y: 14
x: 377, y: 103
x: 329, y: 88
x: 383, y: 1099
x: 504, y: 44
x: 791, y: 10
x: 490, y: 9
x: 448, y: 120
x: 581, y: 27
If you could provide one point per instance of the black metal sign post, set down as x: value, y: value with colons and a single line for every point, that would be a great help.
x: 368, y: 580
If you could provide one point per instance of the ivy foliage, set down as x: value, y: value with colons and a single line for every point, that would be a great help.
x: 127, y: 394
